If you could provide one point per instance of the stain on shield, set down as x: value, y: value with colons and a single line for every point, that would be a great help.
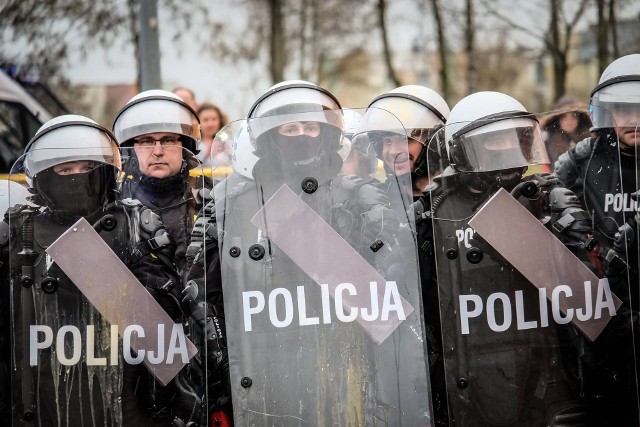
x: 118, y: 295
x: 327, y: 259
x: 535, y: 246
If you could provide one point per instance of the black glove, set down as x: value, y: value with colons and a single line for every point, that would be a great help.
x: 351, y: 182
x: 345, y: 190
x: 569, y: 221
x: 380, y: 223
x: 370, y: 196
x: 625, y: 238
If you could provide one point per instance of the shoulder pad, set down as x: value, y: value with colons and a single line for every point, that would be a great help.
x: 150, y: 221
x: 583, y: 149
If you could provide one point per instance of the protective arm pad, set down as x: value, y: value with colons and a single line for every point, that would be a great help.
x: 204, y: 233
x: 625, y: 238
x: 568, y: 219
x: 566, y: 167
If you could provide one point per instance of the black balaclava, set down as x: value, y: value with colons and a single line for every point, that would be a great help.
x: 77, y: 195
x: 293, y: 158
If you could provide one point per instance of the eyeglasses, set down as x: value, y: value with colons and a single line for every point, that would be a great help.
x: 165, y: 141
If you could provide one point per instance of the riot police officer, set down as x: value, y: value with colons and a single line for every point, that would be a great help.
x: 303, y: 248
x: 506, y: 374
x: 158, y: 133
x: 422, y: 112
x: 71, y: 165
x: 604, y: 170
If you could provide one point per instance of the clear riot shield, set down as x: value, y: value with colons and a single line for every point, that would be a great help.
x: 613, y: 199
x: 320, y: 277
x: 519, y: 302
x: 12, y: 193
x: 99, y: 336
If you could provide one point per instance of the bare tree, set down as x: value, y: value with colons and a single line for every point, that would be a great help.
x: 603, y: 35
x: 442, y: 50
x: 277, y: 47
x: 558, y: 43
x: 557, y: 39
x: 469, y: 47
x: 45, y: 26
x: 298, y: 37
x: 613, y: 26
x: 393, y: 76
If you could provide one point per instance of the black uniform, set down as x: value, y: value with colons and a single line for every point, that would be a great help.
x: 81, y: 394
x: 176, y: 199
x: 511, y: 377
x: 605, y: 178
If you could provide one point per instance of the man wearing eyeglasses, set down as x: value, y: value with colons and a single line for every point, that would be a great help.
x: 157, y: 132
x: 159, y: 154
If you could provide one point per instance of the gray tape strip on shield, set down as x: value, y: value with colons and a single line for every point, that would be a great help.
x: 540, y: 257
x: 325, y: 256
x: 118, y: 295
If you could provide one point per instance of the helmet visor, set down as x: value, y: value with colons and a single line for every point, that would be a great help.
x: 259, y: 126
x: 614, y: 114
x: 70, y: 144
x: 509, y: 144
x: 155, y: 115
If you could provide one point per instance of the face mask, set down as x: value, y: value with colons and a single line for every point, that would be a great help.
x: 76, y: 195
x: 299, y: 149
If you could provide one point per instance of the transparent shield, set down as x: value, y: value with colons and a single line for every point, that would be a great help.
x: 634, y: 250
x: 99, y: 335
x: 12, y: 193
x: 320, y: 279
x: 216, y: 157
x: 523, y: 313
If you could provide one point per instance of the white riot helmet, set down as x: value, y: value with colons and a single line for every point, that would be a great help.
x: 615, y: 102
x: 72, y: 138
x: 157, y: 111
x: 420, y: 110
x: 285, y: 100
x: 491, y: 131
x: 295, y: 101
